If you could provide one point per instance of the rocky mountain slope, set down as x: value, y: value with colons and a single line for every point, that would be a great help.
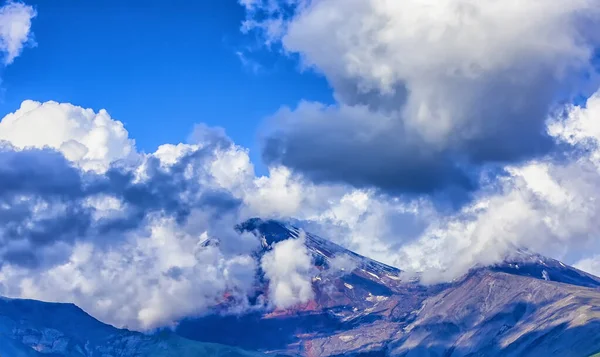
x: 527, y: 306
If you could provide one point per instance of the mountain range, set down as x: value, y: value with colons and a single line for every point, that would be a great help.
x: 528, y: 305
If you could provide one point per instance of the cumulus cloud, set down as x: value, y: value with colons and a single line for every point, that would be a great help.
x: 154, y: 277
x: 355, y: 145
x: 49, y: 201
x: 288, y: 266
x: 91, y: 140
x: 116, y: 231
x: 15, y: 29
x: 126, y: 238
x: 427, y: 91
x: 545, y: 205
x: 590, y: 265
x: 277, y: 195
x: 130, y: 236
x: 370, y: 224
x: 578, y: 125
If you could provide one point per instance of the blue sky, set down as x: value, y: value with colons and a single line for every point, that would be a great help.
x: 159, y: 67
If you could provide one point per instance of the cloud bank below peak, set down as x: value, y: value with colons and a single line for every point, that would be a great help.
x: 428, y: 90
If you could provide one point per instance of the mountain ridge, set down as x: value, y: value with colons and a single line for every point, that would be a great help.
x: 527, y: 305
x: 373, y: 311
x: 32, y: 328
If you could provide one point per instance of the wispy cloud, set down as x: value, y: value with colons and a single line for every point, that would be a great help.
x: 15, y: 29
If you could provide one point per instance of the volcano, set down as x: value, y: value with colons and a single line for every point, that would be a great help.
x: 528, y: 305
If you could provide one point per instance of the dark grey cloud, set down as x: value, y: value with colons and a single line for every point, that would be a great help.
x: 44, y: 172
x: 328, y: 144
x: 33, y: 184
x: 424, y: 106
x: 369, y: 143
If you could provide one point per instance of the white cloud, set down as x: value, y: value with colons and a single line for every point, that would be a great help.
x: 15, y: 29
x: 123, y: 242
x: 382, y: 43
x: 91, y: 140
x: 548, y: 206
x: 277, y: 195
x: 342, y: 263
x: 153, y: 278
x: 590, y: 265
x: 249, y: 4
x: 580, y: 127
x: 369, y: 224
x: 288, y: 266
x: 232, y: 169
